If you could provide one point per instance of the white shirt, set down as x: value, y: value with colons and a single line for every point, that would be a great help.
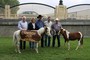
x: 33, y: 25
x: 22, y: 25
x: 48, y: 24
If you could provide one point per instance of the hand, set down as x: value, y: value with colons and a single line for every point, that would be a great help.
x: 24, y: 29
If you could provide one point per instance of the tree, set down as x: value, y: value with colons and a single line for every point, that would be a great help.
x: 11, y: 3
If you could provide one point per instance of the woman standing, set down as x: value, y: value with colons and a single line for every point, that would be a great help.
x: 32, y: 26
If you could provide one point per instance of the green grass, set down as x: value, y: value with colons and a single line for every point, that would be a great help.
x: 47, y: 53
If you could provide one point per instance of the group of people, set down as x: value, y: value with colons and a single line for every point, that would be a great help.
x: 37, y: 24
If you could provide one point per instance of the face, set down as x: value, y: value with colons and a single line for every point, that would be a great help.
x: 23, y: 18
x: 33, y: 20
x: 56, y: 21
x: 40, y: 18
x: 49, y: 18
x: 62, y: 30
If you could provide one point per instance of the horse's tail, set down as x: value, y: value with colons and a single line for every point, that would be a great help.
x: 14, y: 37
x: 81, y: 41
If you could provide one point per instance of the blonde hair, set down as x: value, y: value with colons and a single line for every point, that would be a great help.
x: 33, y: 20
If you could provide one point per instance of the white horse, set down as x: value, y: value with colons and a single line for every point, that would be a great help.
x: 17, y: 37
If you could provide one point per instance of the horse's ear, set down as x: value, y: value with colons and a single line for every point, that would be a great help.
x: 61, y: 28
x: 45, y: 26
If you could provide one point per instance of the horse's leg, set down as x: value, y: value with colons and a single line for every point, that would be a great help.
x: 81, y: 42
x: 68, y: 45
x: 16, y: 39
x: 18, y: 47
x: 15, y: 45
x: 36, y: 48
x: 65, y: 43
x: 18, y: 44
x: 78, y: 45
x: 15, y: 42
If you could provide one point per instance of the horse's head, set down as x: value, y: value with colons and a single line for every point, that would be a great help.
x: 62, y: 30
x: 47, y: 31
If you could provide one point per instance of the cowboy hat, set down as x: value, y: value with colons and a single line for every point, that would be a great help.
x: 56, y: 19
x: 39, y: 16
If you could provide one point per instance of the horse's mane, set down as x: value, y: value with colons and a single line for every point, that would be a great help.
x: 66, y: 33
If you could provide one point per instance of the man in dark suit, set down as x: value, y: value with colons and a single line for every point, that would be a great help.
x: 32, y: 26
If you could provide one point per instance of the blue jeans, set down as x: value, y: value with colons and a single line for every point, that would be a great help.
x: 47, y: 40
x: 42, y: 41
x: 54, y: 38
x: 32, y: 44
x: 22, y: 44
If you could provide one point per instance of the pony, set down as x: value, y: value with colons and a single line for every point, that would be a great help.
x: 72, y: 36
x: 24, y: 35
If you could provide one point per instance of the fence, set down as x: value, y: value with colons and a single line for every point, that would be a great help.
x: 7, y: 27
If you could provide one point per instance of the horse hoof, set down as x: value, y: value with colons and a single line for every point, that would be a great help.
x: 81, y: 46
x: 68, y: 49
x: 19, y: 52
x: 37, y: 52
x: 75, y: 49
x: 15, y: 51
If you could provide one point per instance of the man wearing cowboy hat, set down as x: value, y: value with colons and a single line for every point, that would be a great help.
x: 40, y: 24
x: 56, y: 28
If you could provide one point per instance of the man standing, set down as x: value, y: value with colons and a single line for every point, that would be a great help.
x: 48, y: 23
x: 40, y: 24
x: 56, y: 32
x: 22, y: 25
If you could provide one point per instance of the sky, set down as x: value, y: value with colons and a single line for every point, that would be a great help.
x: 46, y: 10
x: 56, y: 2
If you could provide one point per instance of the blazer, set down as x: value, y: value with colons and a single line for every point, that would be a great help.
x: 30, y: 27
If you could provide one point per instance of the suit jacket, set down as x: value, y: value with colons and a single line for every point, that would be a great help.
x: 30, y: 27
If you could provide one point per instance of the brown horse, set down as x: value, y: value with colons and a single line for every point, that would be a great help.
x: 68, y: 36
x: 33, y: 35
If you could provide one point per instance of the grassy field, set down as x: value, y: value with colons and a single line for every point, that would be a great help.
x: 47, y: 53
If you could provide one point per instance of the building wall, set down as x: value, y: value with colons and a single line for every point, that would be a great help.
x: 83, y: 14
x: 7, y: 31
x: 7, y: 27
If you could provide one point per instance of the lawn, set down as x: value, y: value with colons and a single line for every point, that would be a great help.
x: 47, y: 53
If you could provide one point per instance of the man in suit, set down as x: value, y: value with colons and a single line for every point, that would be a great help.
x: 32, y: 26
